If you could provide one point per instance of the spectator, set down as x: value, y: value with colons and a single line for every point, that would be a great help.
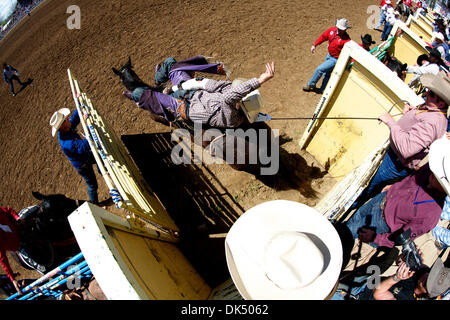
x: 440, y: 164
x: 366, y: 41
x: 391, y: 17
x: 425, y: 65
x: 76, y: 149
x: 406, y: 285
x: 337, y: 37
x: 412, y: 135
x: 384, y: 5
x: 10, y: 240
x: 441, y: 45
x: 413, y: 203
x: 10, y: 74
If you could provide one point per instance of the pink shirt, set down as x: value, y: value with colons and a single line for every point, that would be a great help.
x: 412, y: 135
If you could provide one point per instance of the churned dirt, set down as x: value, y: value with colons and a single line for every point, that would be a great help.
x: 243, y: 34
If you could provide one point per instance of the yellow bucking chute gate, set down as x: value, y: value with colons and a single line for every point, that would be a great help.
x: 126, y: 185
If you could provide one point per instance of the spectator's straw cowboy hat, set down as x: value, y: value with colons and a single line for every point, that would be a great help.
x: 342, y: 24
x: 439, y: 161
x: 58, y: 118
x: 438, y: 281
x: 283, y: 250
x: 251, y: 103
x: 439, y: 84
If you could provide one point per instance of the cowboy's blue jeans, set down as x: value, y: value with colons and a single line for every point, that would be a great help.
x: 369, y: 215
x: 390, y: 168
x: 87, y: 173
x: 324, y: 70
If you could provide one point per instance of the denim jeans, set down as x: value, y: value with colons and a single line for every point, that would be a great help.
x: 324, y: 70
x: 87, y: 173
x: 11, y: 85
x: 382, y: 20
x: 369, y: 215
x: 390, y: 168
x: 387, y: 29
x: 343, y: 290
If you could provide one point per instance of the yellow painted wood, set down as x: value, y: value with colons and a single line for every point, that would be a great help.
x: 341, y: 145
x: 160, y: 268
x: 421, y: 30
x: 406, y: 49
x: 119, y: 169
x: 425, y: 23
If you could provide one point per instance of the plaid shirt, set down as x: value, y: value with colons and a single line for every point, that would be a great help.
x: 216, y: 105
x: 442, y: 234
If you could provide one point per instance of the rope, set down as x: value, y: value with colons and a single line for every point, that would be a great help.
x: 343, y: 118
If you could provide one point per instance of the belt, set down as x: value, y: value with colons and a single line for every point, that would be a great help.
x: 182, y: 110
x: 382, y: 206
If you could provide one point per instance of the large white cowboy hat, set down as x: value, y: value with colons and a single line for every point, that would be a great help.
x: 251, y: 103
x: 283, y: 250
x: 439, y: 161
x: 58, y: 118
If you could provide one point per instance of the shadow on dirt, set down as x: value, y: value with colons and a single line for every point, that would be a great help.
x: 197, y: 201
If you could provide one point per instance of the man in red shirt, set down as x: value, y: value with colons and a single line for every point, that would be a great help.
x: 337, y: 37
x: 9, y: 240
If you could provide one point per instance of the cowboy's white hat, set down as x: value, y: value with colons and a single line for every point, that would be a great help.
x: 439, y: 35
x: 283, y: 250
x: 58, y: 118
x: 251, y: 103
x: 342, y: 24
x: 439, y: 161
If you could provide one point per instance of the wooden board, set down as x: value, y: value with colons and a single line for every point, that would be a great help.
x: 421, y: 28
x: 367, y: 89
x: 159, y: 267
x: 129, y: 263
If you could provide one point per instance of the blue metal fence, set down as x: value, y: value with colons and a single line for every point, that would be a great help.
x: 53, y: 284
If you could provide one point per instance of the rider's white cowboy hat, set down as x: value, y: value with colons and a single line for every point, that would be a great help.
x: 439, y: 161
x: 251, y: 103
x: 58, y: 118
x: 283, y: 250
x: 342, y: 24
x: 439, y: 84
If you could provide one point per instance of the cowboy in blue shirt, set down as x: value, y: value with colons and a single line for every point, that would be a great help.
x: 75, y: 148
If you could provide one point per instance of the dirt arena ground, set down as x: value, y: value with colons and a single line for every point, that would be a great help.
x: 244, y: 34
